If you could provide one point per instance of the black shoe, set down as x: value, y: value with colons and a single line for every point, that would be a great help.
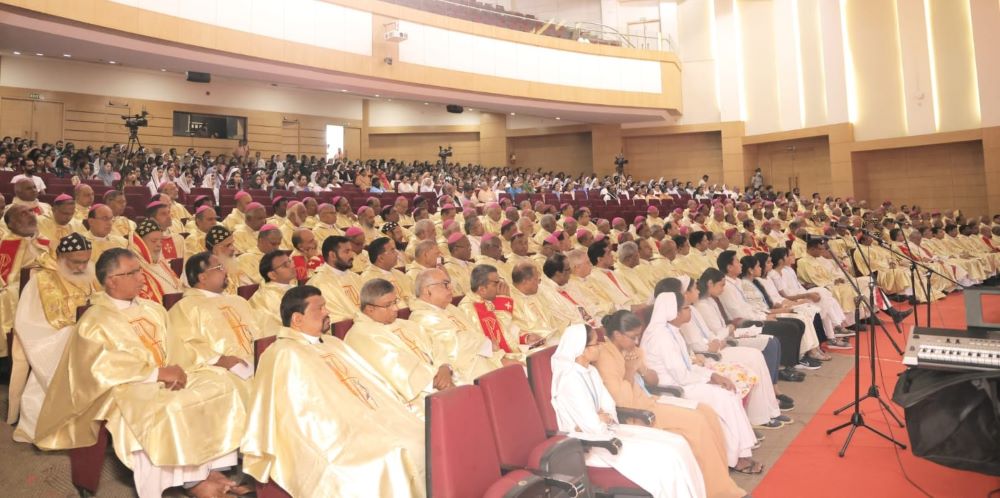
x: 789, y: 374
x: 785, y: 402
x: 898, y: 316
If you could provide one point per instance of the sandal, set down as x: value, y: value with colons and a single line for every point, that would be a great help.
x: 750, y: 468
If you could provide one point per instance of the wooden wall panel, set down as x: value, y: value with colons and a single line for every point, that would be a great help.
x: 685, y: 156
x: 804, y: 162
x: 944, y: 176
x: 95, y: 120
x: 570, y: 153
x: 424, y: 146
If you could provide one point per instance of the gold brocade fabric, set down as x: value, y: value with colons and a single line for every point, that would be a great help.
x: 102, y: 376
x: 458, y: 338
x: 244, y: 239
x: 27, y: 252
x: 61, y: 298
x: 266, y: 306
x: 212, y: 325
x: 402, y: 283
x: 322, y: 231
x: 123, y: 227
x: 234, y: 219
x: 459, y: 272
x: 401, y: 352
x: 342, y: 291
x: 322, y: 423
x: 248, y: 265
x: 534, y: 314
x: 99, y: 245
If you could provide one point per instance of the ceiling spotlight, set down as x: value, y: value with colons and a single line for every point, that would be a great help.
x: 376, y: 95
x: 512, y: 114
x: 558, y: 118
x: 39, y: 54
x: 426, y: 103
x: 17, y: 53
x: 163, y: 70
x: 67, y: 55
x: 112, y: 62
x: 343, y: 90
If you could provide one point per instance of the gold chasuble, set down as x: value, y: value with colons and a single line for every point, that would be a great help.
x: 341, y: 289
x: 322, y: 423
x: 211, y: 325
x: 400, y: 352
x: 536, y: 314
x: 266, y: 306
x: 16, y: 252
x: 245, y: 239
x: 108, y: 372
x: 469, y: 353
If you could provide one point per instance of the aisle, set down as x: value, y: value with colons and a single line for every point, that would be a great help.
x: 810, y: 465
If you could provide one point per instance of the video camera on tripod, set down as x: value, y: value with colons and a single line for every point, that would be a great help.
x: 134, y: 122
x: 444, y: 153
x: 620, y: 163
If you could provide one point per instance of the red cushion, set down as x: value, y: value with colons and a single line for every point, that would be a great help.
x: 513, y: 415
x: 340, y: 328
x: 540, y: 371
x: 261, y: 345
x: 461, y: 456
x: 508, y: 482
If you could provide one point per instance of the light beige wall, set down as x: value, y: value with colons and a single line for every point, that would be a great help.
x: 683, y: 156
x: 424, y: 146
x: 804, y: 163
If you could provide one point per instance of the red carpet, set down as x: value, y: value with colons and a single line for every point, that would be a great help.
x: 810, y: 467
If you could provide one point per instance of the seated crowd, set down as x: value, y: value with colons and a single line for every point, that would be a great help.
x: 373, y: 309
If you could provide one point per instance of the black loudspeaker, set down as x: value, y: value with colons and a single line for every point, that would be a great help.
x: 454, y: 109
x: 196, y: 77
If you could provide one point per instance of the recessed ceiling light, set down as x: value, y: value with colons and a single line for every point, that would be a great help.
x: 388, y: 100
x: 67, y: 55
x: 343, y: 90
x: 425, y: 103
x: 39, y: 54
x: 471, y: 109
x: 376, y: 95
x: 163, y: 70
x: 512, y: 114
x: 558, y: 118
x: 17, y: 53
x: 112, y: 62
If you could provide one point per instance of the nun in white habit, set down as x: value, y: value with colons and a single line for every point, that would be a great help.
x: 658, y: 461
x: 667, y: 354
x: 762, y: 404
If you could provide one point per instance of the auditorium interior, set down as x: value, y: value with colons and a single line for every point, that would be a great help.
x: 446, y: 248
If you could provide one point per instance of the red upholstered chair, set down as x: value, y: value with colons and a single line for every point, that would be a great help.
x: 522, y: 441
x: 457, y: 299
x: 260, y: 345
x: 403, y: 314
x: 24, y: 276
x: 340, y: 328
x: 461, y: 453
x: 169, y: 300
x: 247, y: 291
x: 177, y: 265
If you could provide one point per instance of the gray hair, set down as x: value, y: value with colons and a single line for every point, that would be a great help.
x: 627, y: 249
x: 422, y: 247
x: 423, y: 227
x: 523, y: 271
x: 425, y: 279
x: 374, y: 289
x: 576, y: 257
x: 480, y: 276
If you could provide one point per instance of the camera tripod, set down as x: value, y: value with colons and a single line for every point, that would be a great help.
x: 133, y: 145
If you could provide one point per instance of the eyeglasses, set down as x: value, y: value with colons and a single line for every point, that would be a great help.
x: 446, y: 283
x: 393, y: 304
x: 127, y: 274
x: 215, y: 268
x: 286, y: 264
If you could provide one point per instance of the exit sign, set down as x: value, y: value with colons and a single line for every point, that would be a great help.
x: 35, y: 96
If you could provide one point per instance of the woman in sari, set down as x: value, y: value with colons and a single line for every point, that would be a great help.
x: 661, y: 463
x: 621, y: 363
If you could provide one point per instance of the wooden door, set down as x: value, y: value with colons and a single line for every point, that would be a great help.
x: 783, y: 176
x: 289, y: 138
x: 15, y: 118
x: 352, y: 143
x: 47, y: 122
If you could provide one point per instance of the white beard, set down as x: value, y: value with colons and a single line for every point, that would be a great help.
x: 83, y: 279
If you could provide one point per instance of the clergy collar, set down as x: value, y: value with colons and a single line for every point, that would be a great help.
x: 311, y: 339
x: 336, y: 271
x: 120, y: 303
x: 207, y: 293
x: 281, y: 285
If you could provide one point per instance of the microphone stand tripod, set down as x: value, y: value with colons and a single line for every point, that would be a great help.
x: 857, y: 419
x: 928, y: 271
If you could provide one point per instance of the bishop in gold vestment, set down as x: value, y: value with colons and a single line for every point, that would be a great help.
x: 322, y: 422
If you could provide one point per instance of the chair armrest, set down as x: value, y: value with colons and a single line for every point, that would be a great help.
x: 613, y: 445
x: 572, y: 487
x: 645, y: 416
x: 710, y: 355
x: 676, y: 391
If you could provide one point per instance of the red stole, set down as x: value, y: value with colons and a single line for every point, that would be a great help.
x: 302, y: 266
x: 492, y: 328
x: 151, y: 288
x: 8, y: 252
x: 990, y: 244
x: 169, y: 249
